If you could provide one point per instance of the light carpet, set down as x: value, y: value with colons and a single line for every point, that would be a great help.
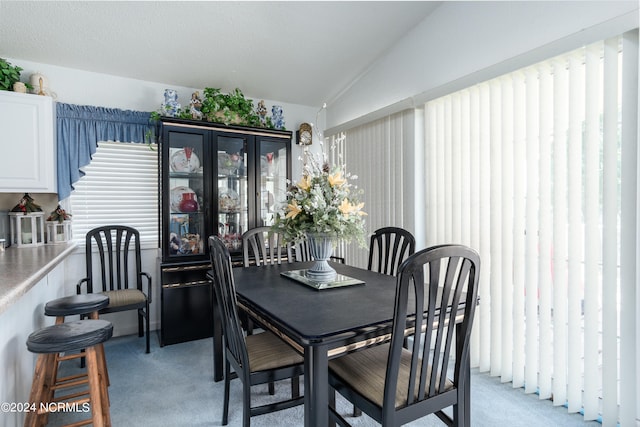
x: 173, y: 386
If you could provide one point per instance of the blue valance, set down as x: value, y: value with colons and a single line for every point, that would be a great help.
x: 80, y: 127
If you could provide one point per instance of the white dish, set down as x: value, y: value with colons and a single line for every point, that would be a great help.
x: 228, y: 200
x: 180, y: 163
x: 229, y: 164
x: 176, y: 197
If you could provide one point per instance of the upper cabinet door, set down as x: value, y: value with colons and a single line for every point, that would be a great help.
x: 186, y: 201
x: 274, y: 170
x: 232, y: 189
x: 27, y: 143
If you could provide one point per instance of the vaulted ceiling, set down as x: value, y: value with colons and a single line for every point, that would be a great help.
x: 297, y: 52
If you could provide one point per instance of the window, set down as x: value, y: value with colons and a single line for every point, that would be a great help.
x: 120, y: 186
x: 527, y: 169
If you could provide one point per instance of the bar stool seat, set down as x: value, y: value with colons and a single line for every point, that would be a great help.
x: 76, y: 305
x: 68, y: 337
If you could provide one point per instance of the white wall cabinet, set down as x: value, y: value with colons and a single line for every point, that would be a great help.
x: 27, y: 143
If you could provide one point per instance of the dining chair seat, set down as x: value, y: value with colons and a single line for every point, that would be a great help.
x: 267, y: 351
x: 366, y: 371
x: 125, y: 297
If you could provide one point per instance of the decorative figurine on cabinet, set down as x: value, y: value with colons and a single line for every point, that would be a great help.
x: 195, y: 105
x: 277, y: 116
x: 170, y: 106
x: 261, y: 111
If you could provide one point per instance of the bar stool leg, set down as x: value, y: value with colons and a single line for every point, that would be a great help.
x: 41, y: 390
x: 95, y: 389
x: 104, y: 384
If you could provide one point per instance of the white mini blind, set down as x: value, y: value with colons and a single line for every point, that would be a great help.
x: 120, y: 186
x: 549, y: 175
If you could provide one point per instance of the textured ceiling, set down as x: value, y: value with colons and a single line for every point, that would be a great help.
x: 297, y: 52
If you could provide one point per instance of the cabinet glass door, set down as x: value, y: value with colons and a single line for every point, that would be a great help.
x: 186, y: 192
x: 233, y: 205
x: 272, y: 179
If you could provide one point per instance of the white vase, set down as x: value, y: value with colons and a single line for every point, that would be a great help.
x: 320, y: 248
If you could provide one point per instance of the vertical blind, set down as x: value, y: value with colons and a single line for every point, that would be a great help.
x: 527, y: 168
x: 379, y: 154
x: 119, y: 186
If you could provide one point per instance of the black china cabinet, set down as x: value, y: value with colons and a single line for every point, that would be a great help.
x: 214, y: 180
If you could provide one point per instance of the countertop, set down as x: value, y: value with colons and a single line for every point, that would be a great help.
x: 21, y: 268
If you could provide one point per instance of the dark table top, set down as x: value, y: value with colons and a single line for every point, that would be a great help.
x: 309, y: 315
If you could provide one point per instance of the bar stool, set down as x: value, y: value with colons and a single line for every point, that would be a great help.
x: 68, y: 337
x: 84, y: 304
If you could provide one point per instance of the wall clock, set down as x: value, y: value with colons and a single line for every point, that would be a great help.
x: 304, y: 135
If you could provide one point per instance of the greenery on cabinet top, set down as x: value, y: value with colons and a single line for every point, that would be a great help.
x: 228, y: 108
x: 10, y: 74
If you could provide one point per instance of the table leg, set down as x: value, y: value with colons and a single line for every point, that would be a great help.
x: 316, y: 387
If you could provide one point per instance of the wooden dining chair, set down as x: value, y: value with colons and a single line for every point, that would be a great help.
x: 395, y: 385
x: 114, y: 267
x: 263, y: 246
x: 255, y: 359
x: 388, y: 248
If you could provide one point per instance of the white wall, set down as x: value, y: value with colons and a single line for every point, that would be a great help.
x: 463, y: 38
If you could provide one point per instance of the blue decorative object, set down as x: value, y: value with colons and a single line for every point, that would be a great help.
x: 277, y: 117
x: 170, y: 106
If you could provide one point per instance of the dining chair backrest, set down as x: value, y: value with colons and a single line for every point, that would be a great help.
x: 388, y: 248
x: 118, y: 258
x: 445, y: 278
x: 225, y: 292
x: 264, y: 246
x: 298, y: 250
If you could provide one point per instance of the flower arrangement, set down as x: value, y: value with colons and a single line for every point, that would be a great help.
x: 323, y: 201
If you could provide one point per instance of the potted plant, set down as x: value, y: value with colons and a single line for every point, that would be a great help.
x: 10, y: 74
x: 229, y: 108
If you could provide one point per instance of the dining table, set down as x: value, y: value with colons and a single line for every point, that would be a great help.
x: 319, y: 323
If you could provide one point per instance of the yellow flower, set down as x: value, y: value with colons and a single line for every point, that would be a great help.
x: 345, y: 207
x: 359, y: 211
x: 293, y: 209
x: 304, y: 183
x: 336, y: 179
